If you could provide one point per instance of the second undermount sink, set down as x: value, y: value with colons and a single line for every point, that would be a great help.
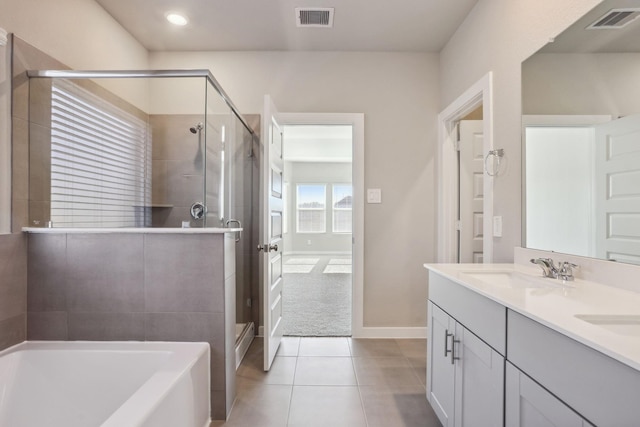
x: 621, y: 324
x: 513, y: 279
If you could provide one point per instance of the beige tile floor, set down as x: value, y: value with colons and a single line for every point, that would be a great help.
x: 334, y: 382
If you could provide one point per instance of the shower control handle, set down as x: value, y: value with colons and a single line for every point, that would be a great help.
x: 197, y: 210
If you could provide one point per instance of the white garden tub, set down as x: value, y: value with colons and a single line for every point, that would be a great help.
x: 108, y: 384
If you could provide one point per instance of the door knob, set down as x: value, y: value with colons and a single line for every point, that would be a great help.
x: 267, y: 248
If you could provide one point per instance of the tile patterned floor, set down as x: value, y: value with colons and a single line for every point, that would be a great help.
x: 336, y: 382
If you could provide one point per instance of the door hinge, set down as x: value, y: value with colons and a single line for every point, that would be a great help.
x: 458, y: 225
x: 456, y: 143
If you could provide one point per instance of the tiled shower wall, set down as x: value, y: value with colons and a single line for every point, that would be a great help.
x: 138, y: 286
x: 13, y: 247
x: 13, y: 289
x: 177, y: 171
x: 25, y: 57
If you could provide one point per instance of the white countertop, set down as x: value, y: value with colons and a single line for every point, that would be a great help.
x: 556, y: 307
x: 150, y: 230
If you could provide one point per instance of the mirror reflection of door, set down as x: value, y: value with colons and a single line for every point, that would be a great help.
x: 581, y: 185
x: 617, y: 205
x: 471, y: 178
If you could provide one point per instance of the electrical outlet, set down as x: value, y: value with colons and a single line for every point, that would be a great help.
x: 497, y: 226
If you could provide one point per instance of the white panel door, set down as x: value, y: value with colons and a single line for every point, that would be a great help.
x: 471, y: 190
x: 617, y: 201
x: 271, y: 230
x: 440, y: 364
x: 479, y: 382
x: 530, y: 405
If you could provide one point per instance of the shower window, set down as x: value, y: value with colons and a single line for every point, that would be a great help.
x: 311, y: 208
x: 342, y: 207
x: 100, y: 176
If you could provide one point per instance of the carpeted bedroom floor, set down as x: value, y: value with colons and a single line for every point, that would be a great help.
x: 316, y: 296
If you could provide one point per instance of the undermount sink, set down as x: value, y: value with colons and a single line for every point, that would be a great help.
x: 514, y: 279
x: 622, y: 324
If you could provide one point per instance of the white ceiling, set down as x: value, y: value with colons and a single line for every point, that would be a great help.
x: 322, y: 143
x: 231, y: 25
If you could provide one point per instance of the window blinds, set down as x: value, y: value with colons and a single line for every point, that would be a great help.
x: 100, y: 162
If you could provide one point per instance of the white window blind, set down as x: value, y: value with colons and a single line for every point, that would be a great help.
x: 100, y: 162
x: 342, y: 208
x: 311, y: 211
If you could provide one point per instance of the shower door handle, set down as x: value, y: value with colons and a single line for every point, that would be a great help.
x: 231, y: 221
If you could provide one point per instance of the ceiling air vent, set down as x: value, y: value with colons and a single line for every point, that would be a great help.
x: 318, y: 17
x: 615, y: 18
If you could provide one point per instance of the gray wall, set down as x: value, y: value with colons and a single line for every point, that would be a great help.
x: 398, y: 92
x: 316, y: 173
x: 136, y: 286
x: 581, y: 83
x: 496, y: 37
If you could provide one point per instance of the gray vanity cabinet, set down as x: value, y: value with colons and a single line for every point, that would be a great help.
x: 465, y: 375
x: 550, y: 378
x: 599, y: 388
x: 530, y: 405
x: 479, y: 382
x: 441, y: 367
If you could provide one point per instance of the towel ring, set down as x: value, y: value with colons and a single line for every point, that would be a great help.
x: 497, y: 155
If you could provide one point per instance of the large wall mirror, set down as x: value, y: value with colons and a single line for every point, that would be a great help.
x: 581, y: 136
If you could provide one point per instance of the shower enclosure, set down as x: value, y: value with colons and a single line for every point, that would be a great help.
x: 114, y: 149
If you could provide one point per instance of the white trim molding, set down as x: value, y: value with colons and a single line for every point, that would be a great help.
x: 479, y: 94
x: 383, y: 332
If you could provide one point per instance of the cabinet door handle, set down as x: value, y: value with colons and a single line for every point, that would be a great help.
x: 453, y: 350
x: 446, y: 342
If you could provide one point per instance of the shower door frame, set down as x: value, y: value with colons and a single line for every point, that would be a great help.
x: 151, y: 74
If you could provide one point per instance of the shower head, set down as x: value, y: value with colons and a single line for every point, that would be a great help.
x: 196, y: 128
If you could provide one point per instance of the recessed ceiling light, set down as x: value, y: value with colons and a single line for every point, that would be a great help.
x: 176, y: 19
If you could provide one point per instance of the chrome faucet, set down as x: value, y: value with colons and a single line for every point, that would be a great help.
x: 548, y: 268
x: 564, y: 271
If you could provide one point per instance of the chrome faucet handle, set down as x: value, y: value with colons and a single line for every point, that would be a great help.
x: 566, y: 270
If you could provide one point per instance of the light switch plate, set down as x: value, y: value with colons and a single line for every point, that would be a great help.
x: 374, y: 195
x: 497, y: 226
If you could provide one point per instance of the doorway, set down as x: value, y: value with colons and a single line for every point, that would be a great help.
x: 470, y: 187
x: 270, y: 214
x: 317, y: 230
x: 452, y: 231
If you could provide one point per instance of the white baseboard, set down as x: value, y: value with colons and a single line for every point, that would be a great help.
x: 410, y: 332
x: 382, y: 332
x: 328, y: 253
x: 243, y: 345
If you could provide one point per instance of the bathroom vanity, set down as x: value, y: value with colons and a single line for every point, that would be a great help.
x: 509, y: 347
